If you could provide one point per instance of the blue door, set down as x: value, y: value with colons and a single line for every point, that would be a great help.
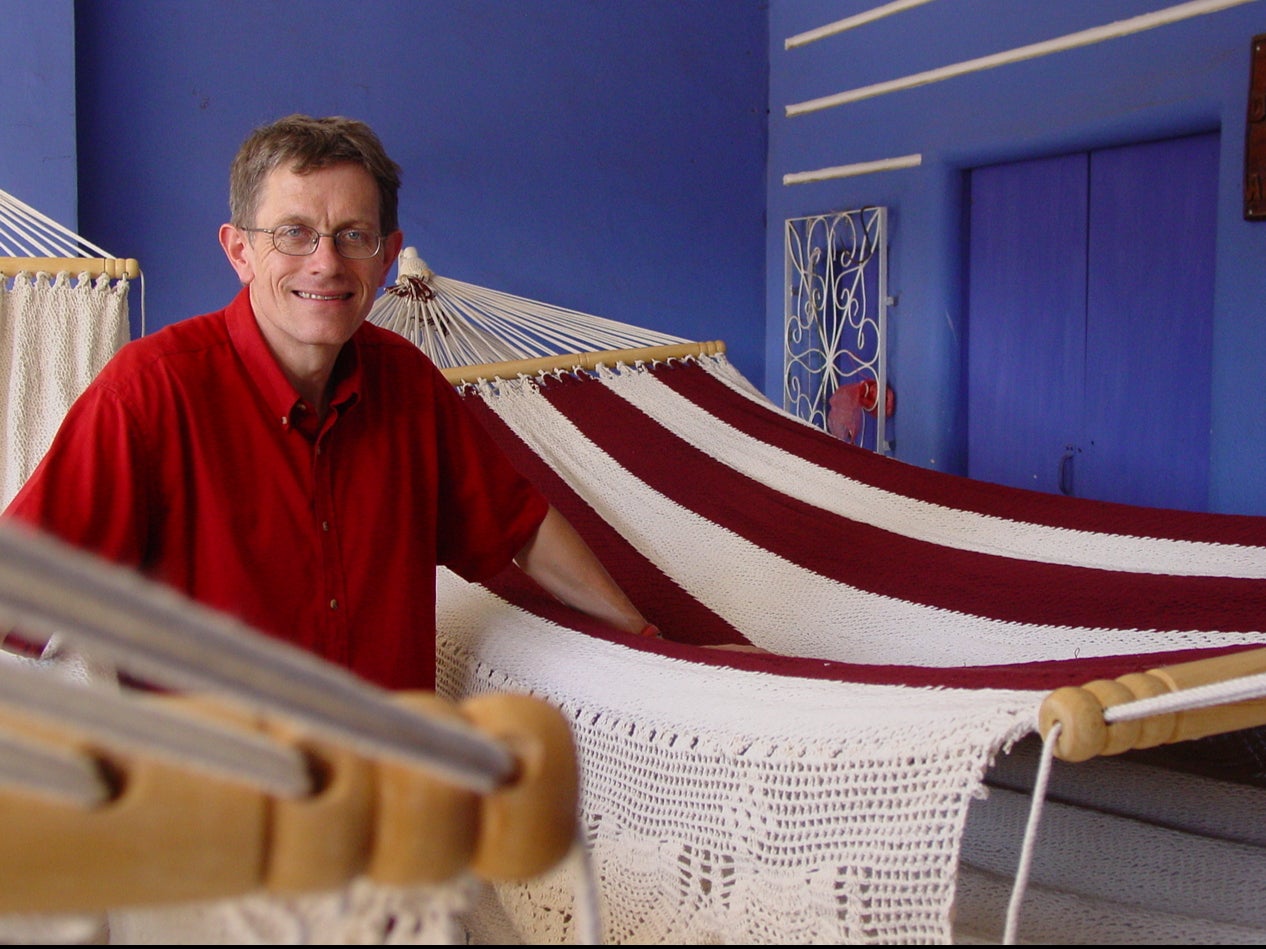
x: 1090, y: 295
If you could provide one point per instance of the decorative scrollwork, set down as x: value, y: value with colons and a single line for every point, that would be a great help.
x: 836, y: 300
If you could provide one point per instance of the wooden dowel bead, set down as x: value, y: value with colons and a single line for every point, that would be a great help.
x: 321, y: 841
x: 1154, y: 730
x: 1083, y: 732
x: 529, y: 825
x: 426, y: 828
x: 1121, y: 736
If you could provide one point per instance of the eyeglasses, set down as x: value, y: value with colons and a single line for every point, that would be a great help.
x: 299, y: 240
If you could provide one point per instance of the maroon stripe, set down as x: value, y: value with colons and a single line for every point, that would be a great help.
x: 695, y: 626
x: 659, y: 598
x: 892, y: 565
x: 953, y: 491
x: 515, y: 587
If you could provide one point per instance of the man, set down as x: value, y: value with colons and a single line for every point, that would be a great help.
x: 289, y: 463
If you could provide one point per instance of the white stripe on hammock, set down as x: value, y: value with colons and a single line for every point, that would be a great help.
x: 793, y: 475
x: 771, y: 787
x: 782, y: 606
x: 714, y: 700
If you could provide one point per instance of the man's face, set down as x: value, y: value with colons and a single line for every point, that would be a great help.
x: 311, y: 305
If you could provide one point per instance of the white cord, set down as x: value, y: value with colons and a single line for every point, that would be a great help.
x: 1216, y: 693
x: 1200, y: 696
x: 588, y: 898
x: 34, y: 234
x: 1030, y: 835
x: 461, y: 324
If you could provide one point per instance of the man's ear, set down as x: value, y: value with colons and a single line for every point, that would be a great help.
x: 391, y: 247
x: 237, y: 250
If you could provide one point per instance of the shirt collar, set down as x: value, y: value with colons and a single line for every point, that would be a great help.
x: 261, y: 364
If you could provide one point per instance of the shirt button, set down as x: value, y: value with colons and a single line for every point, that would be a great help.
x: 325, y: 525
x: 334, y: 604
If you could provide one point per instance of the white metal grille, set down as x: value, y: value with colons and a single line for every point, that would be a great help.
x: 835, y: 326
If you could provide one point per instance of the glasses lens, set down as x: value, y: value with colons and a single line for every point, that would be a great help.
x: 299, y: 240
x: 357, y: 243
x: 295, y: 239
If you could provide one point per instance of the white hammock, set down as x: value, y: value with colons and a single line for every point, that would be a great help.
x: 62, y: 316
x: 773, y: 800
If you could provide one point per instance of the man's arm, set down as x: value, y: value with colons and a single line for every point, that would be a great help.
x: 558, y: 558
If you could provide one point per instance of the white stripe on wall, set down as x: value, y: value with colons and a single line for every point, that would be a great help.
x: 1098, y: 34
x: 848, y: 23
x: 848, y: 171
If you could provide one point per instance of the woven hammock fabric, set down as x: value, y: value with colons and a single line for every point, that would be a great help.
x: 56, y: 333
x: 816, y: 558
x: 916, y: 620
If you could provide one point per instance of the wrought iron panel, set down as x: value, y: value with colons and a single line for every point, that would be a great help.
x: 835, y: 322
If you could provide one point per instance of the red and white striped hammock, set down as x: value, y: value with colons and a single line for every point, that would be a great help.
x: 914, y: 622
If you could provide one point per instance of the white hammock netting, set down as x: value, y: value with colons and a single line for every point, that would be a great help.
x: 62, y: 315
x: 821, y: 795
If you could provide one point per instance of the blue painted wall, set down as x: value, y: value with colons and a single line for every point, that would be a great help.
x: 37, y: 123
x: 1179, y: 78
x: 603, y: 156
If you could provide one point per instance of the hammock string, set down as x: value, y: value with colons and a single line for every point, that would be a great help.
x: 461, y: 324
x: 1244, y: 688
x: 1030, y: 836
x: 28, y: 233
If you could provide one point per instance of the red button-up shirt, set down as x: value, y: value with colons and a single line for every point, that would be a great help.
x: 192, y: 458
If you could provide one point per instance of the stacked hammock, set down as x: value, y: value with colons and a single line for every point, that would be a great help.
x: 61, y: 319
x: 914, y: 623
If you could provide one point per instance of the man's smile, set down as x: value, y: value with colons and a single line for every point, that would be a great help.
x: 310, y: 295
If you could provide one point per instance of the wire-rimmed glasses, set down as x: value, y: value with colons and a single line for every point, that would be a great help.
x: 299, y: 240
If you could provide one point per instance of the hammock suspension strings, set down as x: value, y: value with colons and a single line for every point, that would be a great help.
x: 494, y: 774
x: 161, y: 637
x: 31, y: 242
x: 460, y: 324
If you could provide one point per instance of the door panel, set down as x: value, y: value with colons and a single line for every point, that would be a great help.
x: 1027, y: 274
x: 1149, y: 319
x: 1090, y: 295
